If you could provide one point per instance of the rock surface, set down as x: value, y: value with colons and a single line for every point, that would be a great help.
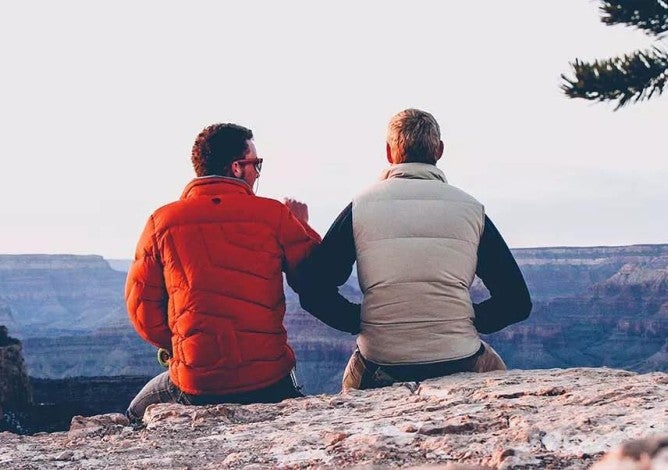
x: 557, y: 418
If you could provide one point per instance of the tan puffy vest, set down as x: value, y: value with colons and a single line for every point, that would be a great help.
x: 416, y: 239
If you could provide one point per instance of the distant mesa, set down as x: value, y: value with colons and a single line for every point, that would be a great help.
x: 48, y: 262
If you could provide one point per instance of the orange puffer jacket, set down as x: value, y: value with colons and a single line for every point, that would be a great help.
x: 207, y: 284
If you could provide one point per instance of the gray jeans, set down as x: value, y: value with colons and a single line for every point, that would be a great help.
x: 160, y: 389
x: 157, y: 390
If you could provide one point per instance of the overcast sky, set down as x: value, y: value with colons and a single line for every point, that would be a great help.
x: 100, y: 104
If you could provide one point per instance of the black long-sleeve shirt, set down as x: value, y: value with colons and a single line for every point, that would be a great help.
x: 330, y: 264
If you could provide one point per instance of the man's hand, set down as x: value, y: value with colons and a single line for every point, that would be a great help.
x: 298, y: 209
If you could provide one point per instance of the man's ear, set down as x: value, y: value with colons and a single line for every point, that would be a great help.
x: 235, y: 170
x: 439, y: 153
x: 388, y: 153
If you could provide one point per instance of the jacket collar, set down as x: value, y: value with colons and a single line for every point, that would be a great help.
x: 418, y: 171
x: 207, y: 185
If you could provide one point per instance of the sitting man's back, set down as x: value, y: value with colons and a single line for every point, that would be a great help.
x: 206, y: 283
x: 418, y: 243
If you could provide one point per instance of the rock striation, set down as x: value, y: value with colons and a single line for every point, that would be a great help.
x: 532, y: 419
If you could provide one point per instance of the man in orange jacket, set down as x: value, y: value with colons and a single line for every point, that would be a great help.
x: 206, y: 283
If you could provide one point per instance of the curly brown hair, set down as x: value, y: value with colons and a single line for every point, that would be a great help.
x: 217, y: 146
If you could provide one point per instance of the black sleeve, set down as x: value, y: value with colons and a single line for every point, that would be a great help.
x: 510, y: 301
x: 329, y: 265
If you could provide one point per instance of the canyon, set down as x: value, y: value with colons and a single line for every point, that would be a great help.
x: 593, y: 307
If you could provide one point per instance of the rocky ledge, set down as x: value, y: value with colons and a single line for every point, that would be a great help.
x: 556, y: 418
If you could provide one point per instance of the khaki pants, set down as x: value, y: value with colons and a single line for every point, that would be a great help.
x: 356, y: 375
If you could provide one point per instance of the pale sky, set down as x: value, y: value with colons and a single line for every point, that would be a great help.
x: 100, y: 103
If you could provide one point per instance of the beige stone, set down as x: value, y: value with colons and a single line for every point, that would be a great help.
x: 557, y: 418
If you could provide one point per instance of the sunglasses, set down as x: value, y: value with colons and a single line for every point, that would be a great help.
x: 256, y: 162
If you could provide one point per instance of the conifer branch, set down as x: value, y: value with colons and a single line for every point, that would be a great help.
x: 651, y: 16
x: 630, y: 78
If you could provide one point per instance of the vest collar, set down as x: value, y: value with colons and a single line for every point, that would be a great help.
x: 418, y: 171
x: 214, y: 184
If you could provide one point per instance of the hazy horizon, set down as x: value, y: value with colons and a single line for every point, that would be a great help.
x: 514, y: 248
x: 102, y: 102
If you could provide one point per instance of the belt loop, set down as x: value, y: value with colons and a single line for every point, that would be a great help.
x: 293, y: 377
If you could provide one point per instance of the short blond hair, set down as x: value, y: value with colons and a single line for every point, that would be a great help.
x: 414, y: 136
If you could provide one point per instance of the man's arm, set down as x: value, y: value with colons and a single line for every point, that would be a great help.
x: 146, y: 294
x: 329, y: 266
x: 510, y: 301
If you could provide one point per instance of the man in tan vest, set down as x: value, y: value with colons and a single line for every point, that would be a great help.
x: 418, y: 243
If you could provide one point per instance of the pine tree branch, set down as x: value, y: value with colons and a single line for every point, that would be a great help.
x: 651, y: 16
x: 631, y: 78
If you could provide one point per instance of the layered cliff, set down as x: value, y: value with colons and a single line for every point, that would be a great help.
x: 621, y: 321
x: 55, y: 295
x: 534, y: 419
x: 566, y: 271
x: 117, y: 352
